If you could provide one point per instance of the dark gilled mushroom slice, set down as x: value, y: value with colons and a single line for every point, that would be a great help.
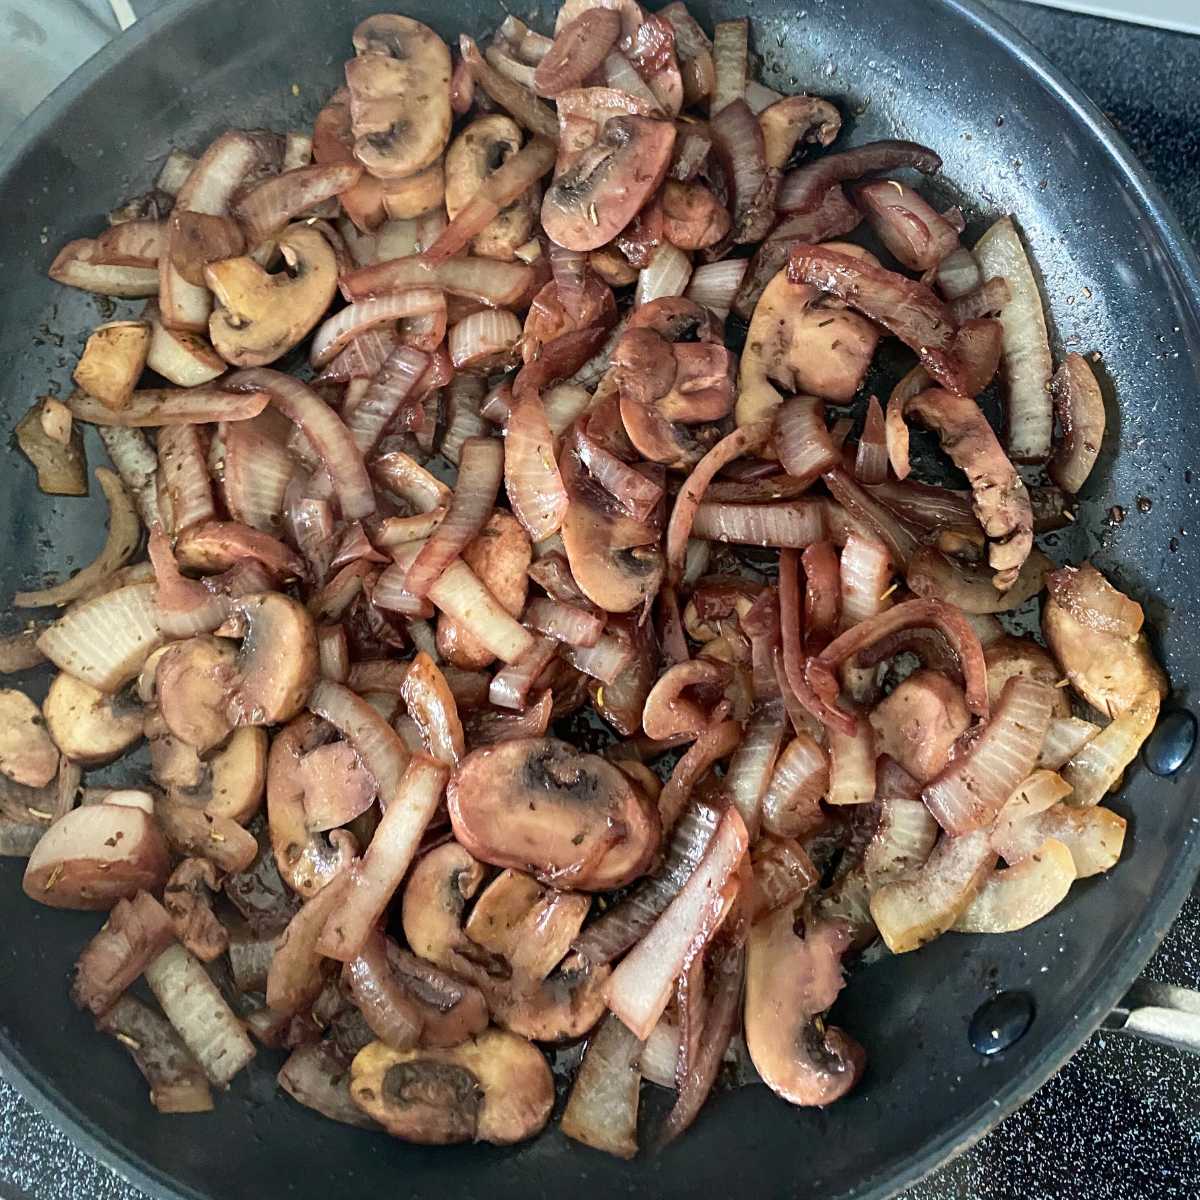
x: 602, y: 190
x: 27, y: 753
x: 1095, y: 634
x: 484, y: 146
x: 792, y: 119
x: 317, y: 1077
x: 538, y: 803
x: 1000, y: 497
x: 495, y: 1088
x: 793, y: 974
x: 801, y: 343
x: 87, y: 725
x: 232, y: 780
x: 399, y: 95
x: 615, y: 560
x: 435, y: 899
x: 261, y: 316
x: 451, y: 1010
x: 278, y: 662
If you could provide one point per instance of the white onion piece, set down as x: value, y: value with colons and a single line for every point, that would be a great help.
x: 972, y: 789
x: 563, y: 404
x: 511, y: 685
x: 463, y: 399
x: 605, y: 661
x: 866, y: 573
x: 481, y: 467
x: 753, y: 762
x: 257, y: 473
x: 620, y: 73
x: 731, y: 56
x: 105, y: 641
x: 903, y: 841
x: 324, y: 429
x: 387, y: 393
x: 791, y: 804
x: 758, y: 96
x: 195, y: 1007
x: 639, y: 989
x: 802, y: 439
x: 333, y: 652
x: 484, y: 341
x: 714, y: 285
x: 1042, y: 790
x: 338, y: 331
x: 794, y: 523
x: 183, y: 471
x: 1099, y: 765
x: 376, y: 743
x: 563, y: 622
x: 602, y: 1109
x: 374, y: 878
x: 124, y: 533
x: 460, y: 593
x: 1016, y: 897
x: 659, y: 1054
x: 852, y: 765
x: 531, y: 475
x: 1094, y: 837
x: 407, y: 480
x: 1025, y: 349
x: 958, y: 273
x: 914, y: 911
x: 1065, y: 737
x: 667, y: 275
x: 78, y: 264
x: 137, y: 464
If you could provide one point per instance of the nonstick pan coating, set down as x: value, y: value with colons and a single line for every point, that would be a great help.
x: 1119, y: 280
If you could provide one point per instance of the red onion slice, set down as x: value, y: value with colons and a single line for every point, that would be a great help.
x: 716, y: 742
x: 915, y: 233
x: 871, y: 461
x: 606, y: 661
x: 731, y: 59
x: 257, y: 473
x: 738, y: 141
x: 873, y: 516
x: 351, y: 322
x: 564, y: 622
x: 484, y: 341
x: 390, y: 399
x: 866, y: 572
x: 183, y: 472
x: 268, y: 206
x: 791, y: 804
x: 852, y: 765
x: 753, y: 763
x: 973, y: 788
x: 638, y: 494
x: 804, y: 189
x: 172, y: 406
x: 485, y: 280
x: 511, y: 685
x: 531, y: 475
x: 715, y: 285
x: 803, y: 441
x: 518, y: 101
x: 795, y: 523
x: 822, y: 595
x: 602, y: 1109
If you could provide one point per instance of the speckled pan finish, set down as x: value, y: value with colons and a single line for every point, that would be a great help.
x: 1119, y: 280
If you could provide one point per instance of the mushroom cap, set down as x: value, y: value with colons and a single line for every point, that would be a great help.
x: 90, y: 726
x: 259, y: 316
x: 483, y: 146
x: 540, y: 804
x: 193, y: 680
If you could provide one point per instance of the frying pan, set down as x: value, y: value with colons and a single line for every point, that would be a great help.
x: 1119, y: 279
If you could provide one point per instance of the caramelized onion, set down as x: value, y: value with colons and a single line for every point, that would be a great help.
x: 1079, y: 406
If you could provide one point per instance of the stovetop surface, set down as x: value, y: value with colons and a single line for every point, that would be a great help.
x: 1121, y: 1121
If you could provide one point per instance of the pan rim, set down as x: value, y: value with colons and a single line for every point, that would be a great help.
x: 1129, y: 955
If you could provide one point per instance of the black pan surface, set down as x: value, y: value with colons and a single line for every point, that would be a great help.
x: 1119, y: 279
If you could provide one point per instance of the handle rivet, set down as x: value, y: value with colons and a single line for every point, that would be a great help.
x: 1000, y: 1021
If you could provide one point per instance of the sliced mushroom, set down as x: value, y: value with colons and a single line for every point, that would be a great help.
x: 1009, y: 656
x: 261, y: 316
x: 793, y: 974
x: 27, y: 753
x: 278, y: 663
x: 1110, y: 670
x: 786, y: 121
x: 435, y: 899
x: 693, y: 218
x: 415, y: 195
x: 230, y: 783
x: 173, y: 764
x: 193, y: 832
x: 193, y: 680
x: 499, y: 555
x: 615, y: 560
x: 495, y: 1088
x: 90, y: 726
x: 337, y: 787
x: 61, y: 469
x: 806, y: 344
x: 484, y: 146
x: 187, y: 897
x: 918, y: 724
x: 198, y: 239
x: 95, y: 855
x: 333, y: 142
x: 538, y: 803
x: 112, y: 361
x: 602, y: 190
x: 451, y: 1010
x: 399, y: 95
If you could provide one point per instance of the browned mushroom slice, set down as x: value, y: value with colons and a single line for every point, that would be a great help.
x: 495, y: 1088
x: 616, y: 561
x: 598, y: 195
x: 193, y: 681
x: 791, y: 979
x: 136, y: 933
x: 787, y: 121
x: 527, y: 923
x: 27, y: 754
x: 96, y: 855
x: 1009, y: 656
x: 920, y: 721
x: 260, y: 316
x: 484, y: 146
x: 317, y: 1077
x: 278, y: 662
x: 451, y: 1010
x: 61, y: 469
x: 399, y: 95
x: 538, y: 803
x: 1109, y: 663
x: 90, y: 726
x: 232, y: 780
x: 187, y: 898
x: 435, y: 899
x: 801, y: 342
x: 195, y: 833
x: 559, y: 1009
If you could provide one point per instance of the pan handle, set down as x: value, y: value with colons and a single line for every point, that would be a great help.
x: 1159, y: 1012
